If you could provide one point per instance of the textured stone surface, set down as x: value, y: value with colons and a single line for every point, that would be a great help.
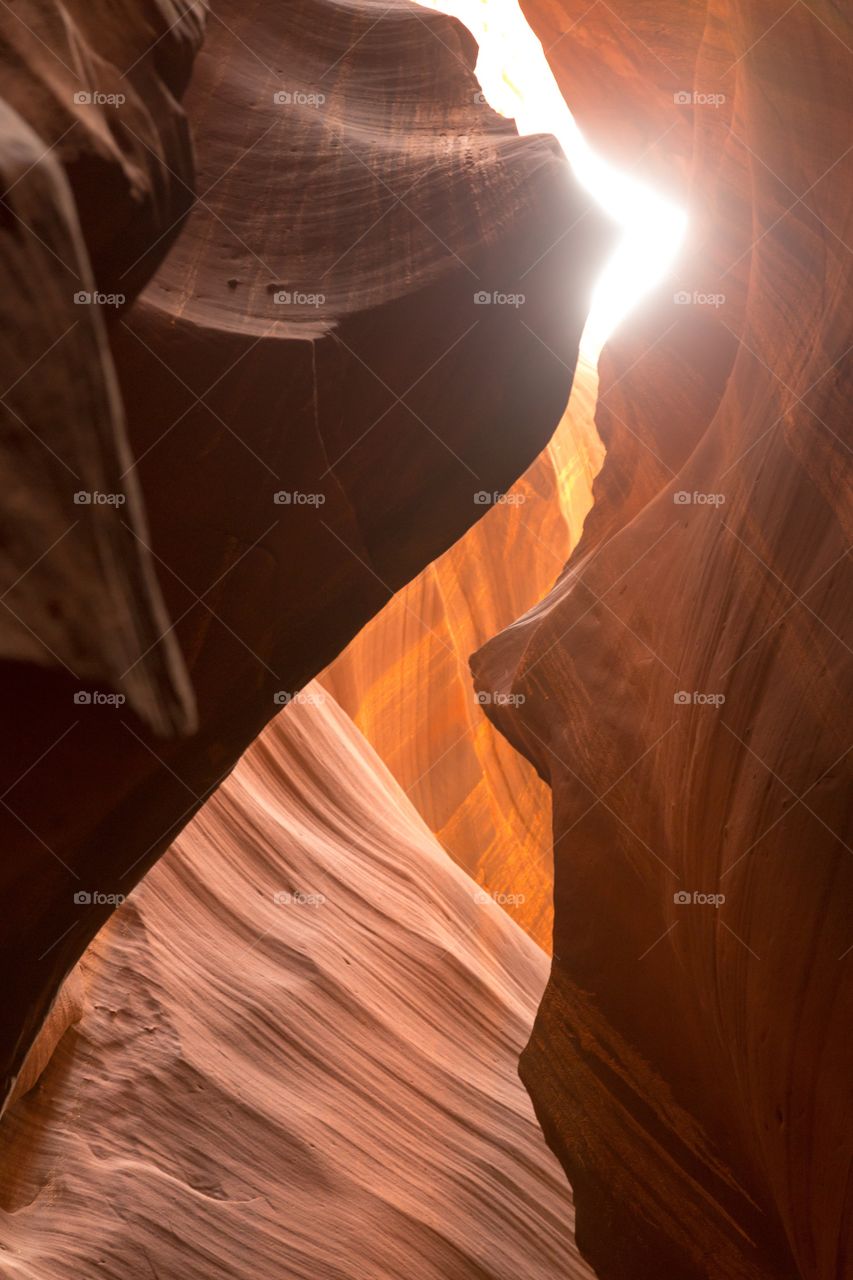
x: 405, y: 677
x: 342, y: 153
x: 95, y: 163
x: 101, y: 84
x: 690, y: 1063
x: 321, y: 1086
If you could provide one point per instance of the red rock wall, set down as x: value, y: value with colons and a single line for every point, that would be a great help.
x: 405, y: 680
x: 690, y: 1062
x: 346, y: 165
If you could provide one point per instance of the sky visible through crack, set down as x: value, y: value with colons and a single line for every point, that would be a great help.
x: 517, y: 82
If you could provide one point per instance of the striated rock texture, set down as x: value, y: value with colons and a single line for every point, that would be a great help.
x: 620, y: 66
x: 684, y: 682
x: 322, y: 1085
x: 405, y: 681
x: 313, y: 395
x: 101, y: 84
x: 95, y: 167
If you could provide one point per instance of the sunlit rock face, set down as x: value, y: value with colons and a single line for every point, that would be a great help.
x: 405, y: 679
x: 295, y: 1054
x: 314, y: 395
x: 683, y: 683
x: 619, y: 67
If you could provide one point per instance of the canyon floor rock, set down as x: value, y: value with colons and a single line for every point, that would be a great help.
x: 293, y: 1052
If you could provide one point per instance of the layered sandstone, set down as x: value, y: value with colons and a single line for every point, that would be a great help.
x: 296, y: 1055
x: 683, y: 684
x: 96, y: 168
x: 313, y: 397
x: 405, y: 681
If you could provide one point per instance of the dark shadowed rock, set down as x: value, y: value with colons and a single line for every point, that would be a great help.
x: 300, y: 458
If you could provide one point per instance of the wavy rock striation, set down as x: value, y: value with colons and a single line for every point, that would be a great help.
x: 322, y: 1085
x: 684, y: 684
x: 314, y: 395
x: 95, y: 166
x: 405, y: 681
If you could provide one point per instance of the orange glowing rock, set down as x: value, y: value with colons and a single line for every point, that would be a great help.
x: 405, y: 678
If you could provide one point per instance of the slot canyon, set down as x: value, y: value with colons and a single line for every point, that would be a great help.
x: 425, y: 640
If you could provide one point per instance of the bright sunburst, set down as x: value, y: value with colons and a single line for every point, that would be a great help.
x: 517, y: 82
